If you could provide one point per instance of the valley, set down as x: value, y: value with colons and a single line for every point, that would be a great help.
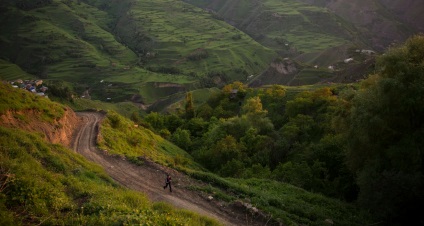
x: 265, y: 112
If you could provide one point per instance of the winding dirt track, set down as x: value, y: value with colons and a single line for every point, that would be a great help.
x: 150, y: 177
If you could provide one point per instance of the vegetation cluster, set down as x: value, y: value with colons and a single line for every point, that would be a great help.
x: 358, y: 143
x: 347, y: 154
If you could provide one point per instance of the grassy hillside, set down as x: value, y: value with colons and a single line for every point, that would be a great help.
x: 10, y: 72
x: 14, y: 99
x: 288, y: 26
x: 119, y: 136
x: 116, y: 49
x: 207, y: 45
x: 286, y: 203
x: 48, y: 184
x: 42, y: 183
x: 380, y: 23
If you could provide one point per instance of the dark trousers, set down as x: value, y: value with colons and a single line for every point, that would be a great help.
x: 166, y: 185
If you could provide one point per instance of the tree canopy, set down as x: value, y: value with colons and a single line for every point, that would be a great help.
x: 385, y: 145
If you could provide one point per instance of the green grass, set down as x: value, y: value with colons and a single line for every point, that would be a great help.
x: 84, y: 44
x: 14, y: 100
x: 287, y: 204
x: 43, y: 183
x: 296, y: 206
x: 119, y: 136
x: 306, y: 41
x: 310, y: 76
x: 49, y: 184
x: 310, y: 28
x: 151, y: 91
x: 123, y: 108
x: 284, y: 25
x: 11, y: 72
x: 166, y: 22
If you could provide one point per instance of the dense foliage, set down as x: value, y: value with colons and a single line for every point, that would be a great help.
x: 386, y: 126
x: 247, y: 133
x: 286, y: 203
x: 353, y: 143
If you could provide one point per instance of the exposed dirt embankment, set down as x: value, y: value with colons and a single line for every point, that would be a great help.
x: 279, y: 72
x: 57, y: 131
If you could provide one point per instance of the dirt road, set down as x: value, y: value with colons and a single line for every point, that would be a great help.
x: 149, y: 178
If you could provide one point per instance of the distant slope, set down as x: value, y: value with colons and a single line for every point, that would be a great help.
x: 290, y: 27
x: 190, y: 40
x: 10, y: 72
x: 118, y: 49
x: 409, y: 12
x: 311, y: 26
x: 380, y: 22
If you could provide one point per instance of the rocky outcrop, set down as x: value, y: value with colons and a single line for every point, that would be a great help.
x: 279, y: 72
x: 59, y: 131
x: 286, y: 67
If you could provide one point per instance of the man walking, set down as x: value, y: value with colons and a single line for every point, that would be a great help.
x: 168, y: 182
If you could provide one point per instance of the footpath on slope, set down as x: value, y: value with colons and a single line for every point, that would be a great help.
x: 150, y: 178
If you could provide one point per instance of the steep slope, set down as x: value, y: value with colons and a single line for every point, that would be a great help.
x: 409, y: 12
x: 117, y: 49
x: 290, y: 27
x: 45, y: 183
x: 25, y: 110
x: 380, y: 22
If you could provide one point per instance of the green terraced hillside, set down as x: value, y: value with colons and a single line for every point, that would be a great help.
x: 116, y: 50
x: 289, y: 26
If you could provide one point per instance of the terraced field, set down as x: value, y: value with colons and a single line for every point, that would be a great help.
x: 116, y: 49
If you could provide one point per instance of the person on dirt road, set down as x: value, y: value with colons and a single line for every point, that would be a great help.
x: 168, y: 182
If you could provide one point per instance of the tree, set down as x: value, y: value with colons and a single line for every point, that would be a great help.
x: 239, y: 86
x: 253, y: 106
x: 155, y: 120
x: 189, y: 106
x: 385, y: 148
x: 225, y: 150
x: 182, y: 139
x: 276, y: 92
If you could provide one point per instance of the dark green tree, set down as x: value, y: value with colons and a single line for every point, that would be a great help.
x: 385, y: 148
x: 182, y: 139
x: 189, y: 106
